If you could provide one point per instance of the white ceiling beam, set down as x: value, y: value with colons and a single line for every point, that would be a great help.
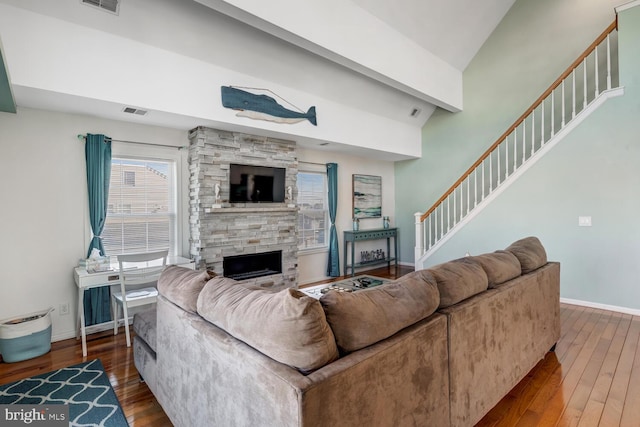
x: 342, y: 32
x: 59, y: 65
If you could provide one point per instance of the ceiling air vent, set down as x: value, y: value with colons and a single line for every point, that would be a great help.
x: 136, y: 111
x: 111, y: 6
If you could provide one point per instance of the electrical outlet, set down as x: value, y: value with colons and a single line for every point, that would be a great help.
x: 64, y: 309
x: 584, y: 221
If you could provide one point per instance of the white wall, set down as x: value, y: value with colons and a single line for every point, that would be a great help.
x: 44, y: 228
x: 313, y: 265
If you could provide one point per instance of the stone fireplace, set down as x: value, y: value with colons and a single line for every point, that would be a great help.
x: 246, y: 240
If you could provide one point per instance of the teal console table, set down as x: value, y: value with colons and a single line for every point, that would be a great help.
x: 357, y: 236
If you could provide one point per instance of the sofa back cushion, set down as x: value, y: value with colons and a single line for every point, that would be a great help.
x: 362, y: 318
x: 529, y: 252
x: 287, y: 326
x: 500, y: 266
x: 181, y: 285
x: 458, y: 280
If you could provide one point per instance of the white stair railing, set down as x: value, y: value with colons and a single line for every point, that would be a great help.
x: 554, y: 113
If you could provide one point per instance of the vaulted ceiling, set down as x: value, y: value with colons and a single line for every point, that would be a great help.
x: 452, y: 30
x: 419, y: 47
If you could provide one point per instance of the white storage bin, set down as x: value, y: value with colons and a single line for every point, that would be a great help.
x: 25, y: 337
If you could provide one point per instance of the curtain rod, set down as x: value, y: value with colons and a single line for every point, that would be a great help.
x: 312, y: 163
x: 84, y: 138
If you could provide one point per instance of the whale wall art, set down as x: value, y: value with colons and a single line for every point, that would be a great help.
x: 263, y: 107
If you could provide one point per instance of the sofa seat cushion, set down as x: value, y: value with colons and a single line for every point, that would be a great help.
x: 181, y: 286
x: 146, y: 363
x: 362, y: 318
x: 529, y: 252
x: 458, y: 280
x: 500, y: 266
x: 145, y: 326
x: 287, y: 326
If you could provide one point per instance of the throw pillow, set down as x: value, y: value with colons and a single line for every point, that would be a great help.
x: 287, y: 326
x: 529, y: 252
x: 499, y: 266
x: 365, y: 317
x: 458, y: 280
x: 181, y: 285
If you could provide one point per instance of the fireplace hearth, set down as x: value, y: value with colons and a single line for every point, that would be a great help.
x: 250, y: 266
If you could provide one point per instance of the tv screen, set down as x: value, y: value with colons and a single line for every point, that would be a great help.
x: 256, y: 184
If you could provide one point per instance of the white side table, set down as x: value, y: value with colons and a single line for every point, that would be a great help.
x: 85, y: 280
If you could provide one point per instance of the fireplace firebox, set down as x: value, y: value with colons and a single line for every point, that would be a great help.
x: 250, y: 266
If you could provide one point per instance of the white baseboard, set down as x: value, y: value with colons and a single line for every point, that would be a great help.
x: 101, y: 327
x: 625, y: 310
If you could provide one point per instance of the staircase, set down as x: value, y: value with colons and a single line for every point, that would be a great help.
x: 580, y: 90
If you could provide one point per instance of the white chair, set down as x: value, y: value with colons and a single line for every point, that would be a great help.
x: 136, y: 270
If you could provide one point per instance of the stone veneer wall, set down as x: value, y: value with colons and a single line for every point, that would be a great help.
x: 240, y: 228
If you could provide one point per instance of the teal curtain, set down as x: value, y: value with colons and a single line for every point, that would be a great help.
x: 97, y: 152
x: 333, y: 265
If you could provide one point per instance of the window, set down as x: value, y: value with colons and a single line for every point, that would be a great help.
x: 313, y: 216
x: 129, y: 178
x: 142, y: 207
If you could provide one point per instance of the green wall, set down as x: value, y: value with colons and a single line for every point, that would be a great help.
x: 595, y: 171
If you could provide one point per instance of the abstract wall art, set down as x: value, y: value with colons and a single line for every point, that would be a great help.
x: 367, y: 196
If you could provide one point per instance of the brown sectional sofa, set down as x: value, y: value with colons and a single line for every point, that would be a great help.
x: 437, y: 347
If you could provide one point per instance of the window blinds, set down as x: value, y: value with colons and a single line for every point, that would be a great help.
x: 141, y: 214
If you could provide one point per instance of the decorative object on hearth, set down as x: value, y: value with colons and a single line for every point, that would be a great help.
x: 367, y: 196
x: 290, y: 203
x: 263, y: 107
x: 216, y: 193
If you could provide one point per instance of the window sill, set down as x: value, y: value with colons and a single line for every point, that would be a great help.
x: 312, y: 251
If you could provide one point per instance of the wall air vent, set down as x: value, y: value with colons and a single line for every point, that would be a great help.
x: 137, y: 111
x: 112, y: 6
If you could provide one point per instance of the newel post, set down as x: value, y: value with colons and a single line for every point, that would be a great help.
x: 419, y: 249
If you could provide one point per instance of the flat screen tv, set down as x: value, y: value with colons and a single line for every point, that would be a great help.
x: 256, y: 184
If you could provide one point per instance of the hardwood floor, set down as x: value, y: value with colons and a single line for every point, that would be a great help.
x: 592, y: 379
x: 138, y: 404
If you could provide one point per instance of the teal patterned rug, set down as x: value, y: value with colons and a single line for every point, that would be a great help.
x: 84, y: 387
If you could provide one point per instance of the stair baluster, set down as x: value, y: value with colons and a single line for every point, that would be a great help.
x: 430, y: 226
